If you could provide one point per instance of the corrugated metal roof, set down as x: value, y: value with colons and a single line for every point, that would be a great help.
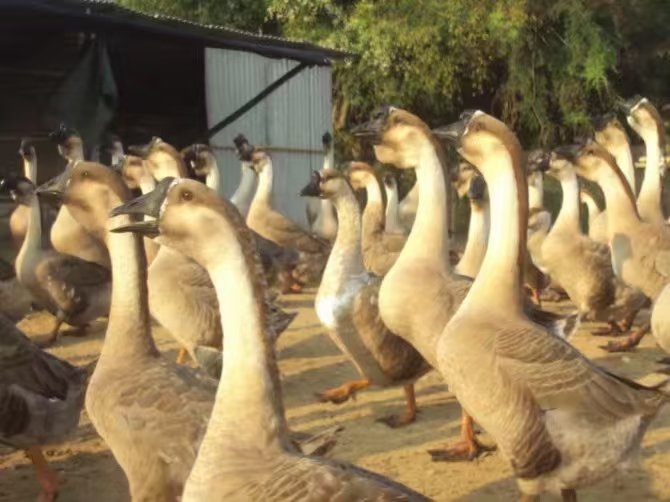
x: 105, y: 14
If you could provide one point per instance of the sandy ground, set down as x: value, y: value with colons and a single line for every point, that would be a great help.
x: 310, y: 363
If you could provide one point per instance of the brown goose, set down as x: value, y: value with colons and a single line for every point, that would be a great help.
x: 592, y: 208
x: 645, y: 120
x: 41, y: 398
x: 420, y: 294
x: 380, y: 248
x: 74, y: 290
x: 563, y: 422
x: 323, y: 220
x: 246, y: 454
x: 347, y: 306
x: 67, y: 236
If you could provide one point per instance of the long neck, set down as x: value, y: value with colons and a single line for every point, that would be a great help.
x: 264, y: 190
x: 129, y: 329
x: 33, y: 239
x: 624, y: 159
x: 478, y: 236
x: 592, y: 208
x: 346, y: 257
x: 649, y: 199
x: 499, y: 280
x: 568, y: 217
x: 429, y: 238
x: 248, y: 407
x: 151, y: 248
x: 326, y: 212
x: 30, y: 169
x: 621, y: 209
x: 412, y: 197
x: 392, y: 220
x: 213, y: 180
x: 244, y: 193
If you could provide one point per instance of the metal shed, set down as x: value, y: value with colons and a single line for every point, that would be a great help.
x: 171, y: 78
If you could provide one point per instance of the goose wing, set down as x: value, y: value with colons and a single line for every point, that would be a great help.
x: 289, y: 234
x: 309, y: 479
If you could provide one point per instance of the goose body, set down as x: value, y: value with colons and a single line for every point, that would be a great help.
x: 41, y: 398
x: 347, y: 301
x: 246, y: 454
x: 563, y: 422
x: 380, y: 248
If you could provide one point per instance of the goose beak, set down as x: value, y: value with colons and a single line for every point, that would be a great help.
x: 627, y: 105
x: 142, y: 150
x: 372, y: 130
x: 312, y: 189
x: 569, y: 152
x: 538, y: 161
x: 54, y: 190
x: 146, y: 205
x: 477, y: 189
x: 452, y: 132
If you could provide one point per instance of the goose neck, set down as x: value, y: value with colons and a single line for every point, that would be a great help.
x: 244, y: 193
x: 33, y: 239
x: 249, y: 405
x: 477, y: 243
x: 568, y: 216
x: 213, y: 179
x: 429, y: 238
x: 129, y: 329
x: 649, y: 199
x: 346, y: 257
x: 624, y: 159
x: 621, y: 208
x: 499, y: 279
x: 30, y: 169
x: 265, y: 180
x: 392, y: 217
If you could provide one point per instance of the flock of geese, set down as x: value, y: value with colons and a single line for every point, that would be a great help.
x: 149, y: 239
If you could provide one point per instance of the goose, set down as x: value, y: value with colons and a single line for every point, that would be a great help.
x: 539, y: 219
x: 583, y: 265
x: 347, y: 306
x: 478, y: 229
x: 323, y: 221
x: 247, y: 188
x: 21, y: 190
x: 609, y: 133
x: 419, y: 294
x: 15, y: 301
x: 41, y: 397
x: 189, y: 311
x: 640, y: 250
x: 246, y: 454
x: 274, y: 226
x: 202, y: 160
x: 73, y: 290
x: 644, y: 119
x: 392, y: 216
x: 408, y: 206
x: 66, y: 235
x: 380, y: 248
x: 593, y: 209
x: 563, y: 422
x: 151, y: 413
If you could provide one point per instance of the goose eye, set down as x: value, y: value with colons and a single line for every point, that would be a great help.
x: 84, y: 174
x: 186, y: 195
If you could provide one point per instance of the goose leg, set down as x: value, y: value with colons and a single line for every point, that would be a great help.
x: 47, y: 477
x: 53, y: 336
x: 629, y: 343
x: 467, y: 449
x: 340, y: 394
x: 408, y: 416
x: 569, y: 495
x: 181, y: 356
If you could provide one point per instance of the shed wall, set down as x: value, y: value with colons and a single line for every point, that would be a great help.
x: 290, y: 122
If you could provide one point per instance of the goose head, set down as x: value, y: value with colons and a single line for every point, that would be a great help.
x: 27, y: 150
x: 399, y: 137
x: 609, y: 132
x: 327, y: 141
x: 133, y: 170
x: 592, y: 161
x: 163, y: 160
x: 360, y: 174
x: 559, y: 163
x: 646, y: 121
x: 477, y: 191
x: 89, y: 190
x: 190, y: 218
x: 69, y: 142
x: 19, y: 188
x: 200, y: 159
x: 462, y: 176
x: 326, y: 184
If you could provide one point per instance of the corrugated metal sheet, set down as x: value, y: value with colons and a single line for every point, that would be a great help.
x: 295, y: 116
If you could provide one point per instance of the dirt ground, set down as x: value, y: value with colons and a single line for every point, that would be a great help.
x: 310, y: 363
